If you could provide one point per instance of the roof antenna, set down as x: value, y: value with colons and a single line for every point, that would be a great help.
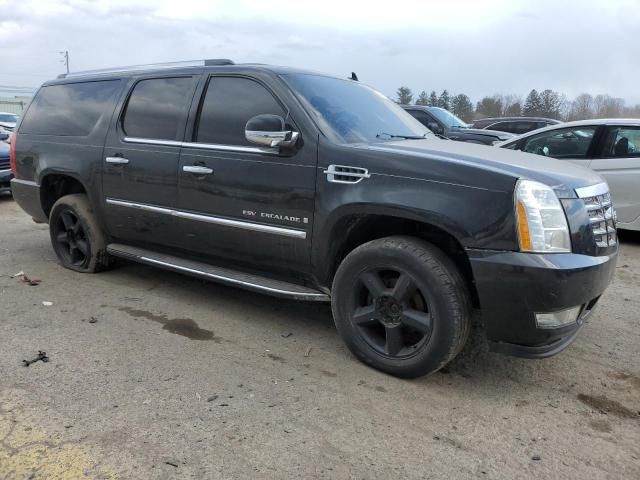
x: 354, y: 77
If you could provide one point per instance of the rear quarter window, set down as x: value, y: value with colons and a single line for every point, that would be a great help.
x: 71, y: 109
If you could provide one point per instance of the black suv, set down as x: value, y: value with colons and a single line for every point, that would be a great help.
x: 515, y: 125
x: 312, y: 187
x: 445, y: 124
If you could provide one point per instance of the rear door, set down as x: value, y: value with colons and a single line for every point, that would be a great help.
x: 141, y: 155
x: 618, y: 162
x: 247, y: 205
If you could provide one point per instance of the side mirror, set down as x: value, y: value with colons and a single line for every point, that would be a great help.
x: 269, y: 131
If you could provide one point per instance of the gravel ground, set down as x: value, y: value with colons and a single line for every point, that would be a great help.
x: 157, y: 375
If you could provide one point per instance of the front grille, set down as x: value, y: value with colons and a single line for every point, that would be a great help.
x: 602, y: 217
x: 4, y: 163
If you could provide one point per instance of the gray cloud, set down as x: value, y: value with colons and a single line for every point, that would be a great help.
x: 568, y: 46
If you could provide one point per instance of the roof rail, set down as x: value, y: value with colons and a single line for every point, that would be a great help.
x: 152, y: 66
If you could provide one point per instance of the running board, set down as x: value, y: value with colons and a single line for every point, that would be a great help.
x: 256, y: 283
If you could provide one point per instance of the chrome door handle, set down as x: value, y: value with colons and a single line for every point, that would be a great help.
x: 197, y: 169
x: 117, y: 160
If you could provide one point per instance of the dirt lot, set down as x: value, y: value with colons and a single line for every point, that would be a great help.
x: 157, y: 375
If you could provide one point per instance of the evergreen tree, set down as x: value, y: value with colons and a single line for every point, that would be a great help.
x: 423, y: 98
x: 513, y: 110
x: 405, y: 96
x: 490, y: 107
x: 550, y: 104
x: 433, y: 99
x: 533, y: 104
x: 444, y: 101
x: 462, y: 107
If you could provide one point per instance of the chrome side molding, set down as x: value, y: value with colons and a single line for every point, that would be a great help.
x: 227, y: 222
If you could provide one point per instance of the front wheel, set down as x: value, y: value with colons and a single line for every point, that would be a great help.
x: 401, y: 306
x: 76, y: 236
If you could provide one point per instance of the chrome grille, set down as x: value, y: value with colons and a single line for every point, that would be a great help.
x: 602, y: 217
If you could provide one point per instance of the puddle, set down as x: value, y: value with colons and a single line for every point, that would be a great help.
x: 606, y: 405
x: 185, y: 327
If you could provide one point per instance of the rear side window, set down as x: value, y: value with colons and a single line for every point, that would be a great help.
x: 228, y: 104
x: 71, y: 109
x: 157, y: 108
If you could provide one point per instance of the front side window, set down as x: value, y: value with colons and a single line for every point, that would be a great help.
x: 623, y: 142
x: 350, y: 112
x: 563, y: 143
x: 157, y: 108
x: 71, y: 109
x: 227, y: 106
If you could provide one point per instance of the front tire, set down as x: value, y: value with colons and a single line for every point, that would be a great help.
x: 401, y: 306
x: 76, y: 236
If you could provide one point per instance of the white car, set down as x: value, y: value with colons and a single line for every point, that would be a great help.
x: 611, y: 147
x: 8, y: 121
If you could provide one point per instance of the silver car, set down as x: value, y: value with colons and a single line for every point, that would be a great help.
x: 611, y: 147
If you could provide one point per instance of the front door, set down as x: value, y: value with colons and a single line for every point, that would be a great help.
x: 573, y: 144
x: 619, y: 164
x: 247, y: 206
x: 141, y: 155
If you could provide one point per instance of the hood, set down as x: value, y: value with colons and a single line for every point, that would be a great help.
x: 9, y: 125
x: 502, y: 136
x: 564, y: 177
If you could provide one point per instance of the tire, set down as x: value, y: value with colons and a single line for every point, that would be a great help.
x: 401, y: 306
x: 84, y: 249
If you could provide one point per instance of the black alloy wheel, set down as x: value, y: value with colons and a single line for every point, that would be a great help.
x: 390, y: 312
x: 71, y: 239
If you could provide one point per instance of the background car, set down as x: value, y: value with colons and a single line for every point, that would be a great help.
x: 5, y: 170
x: 516, y: 125
x: 8, y: 120
x: 611, y: 147
x: 445, y: 123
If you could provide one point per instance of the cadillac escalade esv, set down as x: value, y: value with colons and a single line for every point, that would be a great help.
x: 313, y: 187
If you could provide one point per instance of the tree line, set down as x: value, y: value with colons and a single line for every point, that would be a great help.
x: 546, y: 103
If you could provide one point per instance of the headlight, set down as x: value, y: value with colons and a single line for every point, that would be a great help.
x: 542, y: 224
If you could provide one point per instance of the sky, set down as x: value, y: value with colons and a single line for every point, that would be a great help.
x: 473, y: 47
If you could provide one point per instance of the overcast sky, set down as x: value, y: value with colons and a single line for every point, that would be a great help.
x: 473, y: 47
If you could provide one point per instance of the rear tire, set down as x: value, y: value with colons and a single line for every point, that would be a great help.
x: 76, y: 236
x: 401, y: 306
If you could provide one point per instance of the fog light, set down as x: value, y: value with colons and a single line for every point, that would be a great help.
x: 557, y: 319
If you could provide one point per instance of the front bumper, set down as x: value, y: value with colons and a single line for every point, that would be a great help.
x: 5, y: 178
x: 512, y: 287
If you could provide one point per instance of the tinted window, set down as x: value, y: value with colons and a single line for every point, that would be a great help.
x: 623, y: 142
x: 8, y: 117
x: 157, y: 108
x: 501, y: 126
x: 422, y: 117
x: 563, y: 143
x: 350, y: 112
x: 228, y: 104
x: 69, y: 109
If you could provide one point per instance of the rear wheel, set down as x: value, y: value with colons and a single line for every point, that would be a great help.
x: 76, y: 236
x: 401, y: 306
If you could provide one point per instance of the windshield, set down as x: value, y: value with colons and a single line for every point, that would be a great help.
x: 350, y: 112
x: 448, y: 118
x: 8, y: 117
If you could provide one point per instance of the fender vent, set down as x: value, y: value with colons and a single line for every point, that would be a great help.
x: 345, y: 174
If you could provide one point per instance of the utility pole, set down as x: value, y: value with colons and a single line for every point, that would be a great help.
x: 65, y: 59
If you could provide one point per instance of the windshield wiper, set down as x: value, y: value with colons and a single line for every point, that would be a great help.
x: 406, y: 137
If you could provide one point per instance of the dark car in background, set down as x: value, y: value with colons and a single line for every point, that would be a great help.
x: 515, y: 125
x: 5, y: 170
x: 444, y: 123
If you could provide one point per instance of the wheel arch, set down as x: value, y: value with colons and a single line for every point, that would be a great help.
x: 54, y: 185
x: 363, y: 224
